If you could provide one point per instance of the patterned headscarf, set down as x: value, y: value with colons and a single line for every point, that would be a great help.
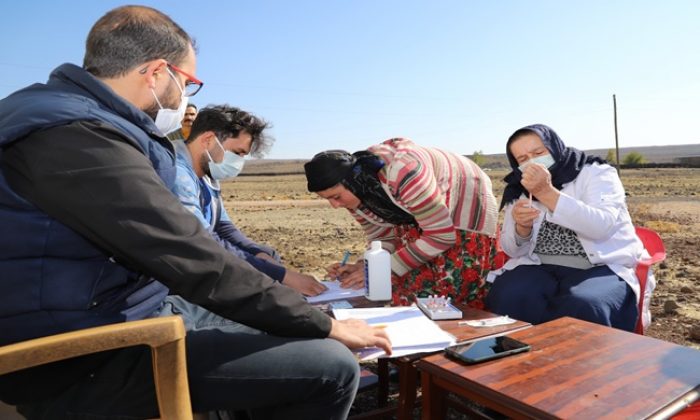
x: 568, y: 161
x: 358, y: 172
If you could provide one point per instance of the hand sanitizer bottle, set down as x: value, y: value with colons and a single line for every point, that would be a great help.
x: 377, y: 272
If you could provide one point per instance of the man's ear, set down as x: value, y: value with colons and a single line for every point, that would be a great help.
x: 153, y: 70
x: 208, y: 138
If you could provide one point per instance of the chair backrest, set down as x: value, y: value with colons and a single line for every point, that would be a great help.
x: 655, y: 247
x: 501, y: 257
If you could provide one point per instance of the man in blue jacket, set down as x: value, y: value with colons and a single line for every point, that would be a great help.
x: 220, y: 138
x: 89, y: 220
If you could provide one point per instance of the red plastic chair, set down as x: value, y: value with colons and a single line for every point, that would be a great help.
x: 655, y: 247
x: 501, y: 257
x: 690, y: 413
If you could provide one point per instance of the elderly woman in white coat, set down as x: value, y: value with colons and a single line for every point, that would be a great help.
x: 571, y: 241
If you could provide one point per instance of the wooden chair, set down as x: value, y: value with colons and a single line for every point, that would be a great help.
x: 165, y: 336
x: 655, y: 247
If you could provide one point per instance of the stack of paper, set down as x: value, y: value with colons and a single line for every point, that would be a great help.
x: 335, y: 292
x: 409, y: 330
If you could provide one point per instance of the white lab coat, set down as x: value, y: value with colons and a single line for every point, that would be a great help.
x: 592, y: 205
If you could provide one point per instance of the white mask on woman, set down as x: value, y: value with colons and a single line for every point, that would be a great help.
x: 168, y: 120
x: 229, y: 167
x: 546, y: 160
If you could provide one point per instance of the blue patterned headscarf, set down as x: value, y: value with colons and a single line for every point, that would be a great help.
x: 568, y: 161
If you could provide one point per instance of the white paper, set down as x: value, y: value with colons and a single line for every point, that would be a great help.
x: 409, y: 330
x: 335, y: 292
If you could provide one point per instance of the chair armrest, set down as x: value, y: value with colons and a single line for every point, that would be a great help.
x: 656, y: 258
x: 165, y: 336
x: 153, y: 332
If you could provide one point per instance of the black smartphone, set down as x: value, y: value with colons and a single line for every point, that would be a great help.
x: 486, y: 349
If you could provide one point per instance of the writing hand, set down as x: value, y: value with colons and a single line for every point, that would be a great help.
x: 352, y: 276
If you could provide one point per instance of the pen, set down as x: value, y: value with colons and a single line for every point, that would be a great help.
x: 345, y: 258
x: 530, y: 205
x: 346, y: 255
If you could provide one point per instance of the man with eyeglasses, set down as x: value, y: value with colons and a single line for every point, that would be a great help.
x: 89, y: 221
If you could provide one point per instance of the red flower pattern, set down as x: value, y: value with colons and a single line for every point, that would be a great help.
x: 459, y: 272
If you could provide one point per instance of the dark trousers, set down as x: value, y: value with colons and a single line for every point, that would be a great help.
x: 230, y: 367
x: 541, y: 293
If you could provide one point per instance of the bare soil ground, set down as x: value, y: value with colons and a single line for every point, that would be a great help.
x: 278, y: 210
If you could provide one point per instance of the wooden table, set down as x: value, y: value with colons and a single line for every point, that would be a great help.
x: 408, y: 374
x: 575, y: 370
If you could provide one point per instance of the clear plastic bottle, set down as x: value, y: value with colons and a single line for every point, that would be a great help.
x: 377, y: 272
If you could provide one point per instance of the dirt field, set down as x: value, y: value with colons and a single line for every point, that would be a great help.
x: 311, y: 235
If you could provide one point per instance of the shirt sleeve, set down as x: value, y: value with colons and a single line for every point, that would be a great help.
x: 413, y: 185
x: 226, y: 229
x: 274, y: 271
x: 376, y: 229
x: 593, y: 214
x: 100, y: 185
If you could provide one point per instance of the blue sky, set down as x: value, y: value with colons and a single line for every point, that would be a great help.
x: 459, y: 75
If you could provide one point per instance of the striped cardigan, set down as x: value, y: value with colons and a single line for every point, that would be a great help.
x: 442, y: 190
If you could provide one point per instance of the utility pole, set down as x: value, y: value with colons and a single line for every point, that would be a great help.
x: 617, y: 144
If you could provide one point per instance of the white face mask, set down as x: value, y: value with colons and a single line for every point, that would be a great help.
x: 169, y: 120
x: 546, y: 160
x: 229, y: 167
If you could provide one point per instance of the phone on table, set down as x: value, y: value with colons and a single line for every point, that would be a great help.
x: 486, y: 349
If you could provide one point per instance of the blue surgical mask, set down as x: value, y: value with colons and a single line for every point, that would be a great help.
x: 546, y: 160
x: 229, y: 167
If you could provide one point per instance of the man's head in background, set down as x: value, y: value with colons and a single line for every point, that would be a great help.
x: 188, y: 119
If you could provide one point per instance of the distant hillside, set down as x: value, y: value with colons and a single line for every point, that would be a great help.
x: 654, y: 154
x: 273, y: 166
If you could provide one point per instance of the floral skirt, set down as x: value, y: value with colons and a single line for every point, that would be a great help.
x: 460, y: 272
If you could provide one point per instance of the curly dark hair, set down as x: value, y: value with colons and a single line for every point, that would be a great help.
x: 228, y: 121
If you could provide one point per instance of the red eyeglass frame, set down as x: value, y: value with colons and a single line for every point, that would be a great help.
x: 191, y: 80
